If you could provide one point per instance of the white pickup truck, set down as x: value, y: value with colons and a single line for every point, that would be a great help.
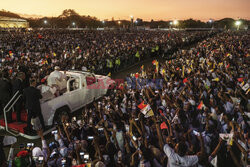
x: 82, y: 88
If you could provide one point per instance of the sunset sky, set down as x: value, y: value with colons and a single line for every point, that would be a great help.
x: 145, y: 9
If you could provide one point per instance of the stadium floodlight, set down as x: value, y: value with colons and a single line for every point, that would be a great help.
x: 103, y: 22
x: 45, y: 21
x: 238, y: 23
x: 176, y: 22
x: 73, y: 23
x: 136, y: 21
x: 119, y: 22
x: 171, y: 23
x: 131, y: 16
x: 210, y: 21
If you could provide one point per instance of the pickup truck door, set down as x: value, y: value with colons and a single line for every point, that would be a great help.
x: 74, y: 93
x: 92, y: 87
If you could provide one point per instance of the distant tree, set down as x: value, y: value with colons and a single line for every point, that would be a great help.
x: 8, y: 14
x: 68, y: 13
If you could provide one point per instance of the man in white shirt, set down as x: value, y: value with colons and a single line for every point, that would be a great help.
x: 55, y: 76
x: 57, y: 79
x: 180, y: 159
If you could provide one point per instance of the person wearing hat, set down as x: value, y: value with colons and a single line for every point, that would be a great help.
x: 56, y: 79
x: 55, y: 76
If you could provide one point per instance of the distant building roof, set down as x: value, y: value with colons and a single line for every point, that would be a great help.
x: 3, y: 18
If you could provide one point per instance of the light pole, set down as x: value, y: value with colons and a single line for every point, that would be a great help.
x: 210, y: 22
x: 175, y: 23
x: 74, y: 24
x: 171, y: 23
x: 238, y: 23
x: 132, y: 20
x: 45, y: 22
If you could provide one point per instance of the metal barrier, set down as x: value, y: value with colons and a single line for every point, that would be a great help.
x: 8, y: 107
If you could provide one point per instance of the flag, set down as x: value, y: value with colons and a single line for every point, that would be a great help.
x: 40, y: 36
x: 228, y: 66
x: 164, y: 125
x: 169, y: 62
x: 146, y: 109
x: 54, y: 54
x: 142, y: 105
x: 109, y: 74
x: 161, y: 113
x: 177, y: 68
x: 197, y: 53
x: 183, y: 71
x: 200, y: 105
x: 163, y: 71
x: 240, y: 79
x: 142, y: 67
x: 137, y: 75
x: 154, y: 62
x: 185, y: 80
x: 216, y: 79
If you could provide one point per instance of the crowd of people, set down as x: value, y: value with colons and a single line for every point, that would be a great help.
x: 97, y: 51
x: 189, y: 111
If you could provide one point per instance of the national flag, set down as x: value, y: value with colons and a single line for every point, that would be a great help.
x: 185, y: 80
x: 197, y: 53
x: 154, y: 62
x: 200, y: 105
x: 142, y: 67
x: 240, y: 79
x: 137, y: 75
x: 161, y: 113
x: 164, y: 125
x: 142, y: 105
x: 40, y: 36
x: 183, y: 71
x: 146, y: 109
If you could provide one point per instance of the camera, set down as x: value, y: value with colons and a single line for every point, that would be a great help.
x: 54, y: 132
x: 90, y: 137
x: 100, y: 129
x: 86, y: 156
x: 63, y: 162
x: 40, y: 159
x: 30, y: 144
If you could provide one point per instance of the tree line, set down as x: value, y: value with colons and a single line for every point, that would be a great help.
x: 71, y: 19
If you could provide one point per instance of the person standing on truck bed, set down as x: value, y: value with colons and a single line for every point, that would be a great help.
x: 32, y: 104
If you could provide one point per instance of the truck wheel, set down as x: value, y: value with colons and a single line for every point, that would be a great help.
x: 62, y: 113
